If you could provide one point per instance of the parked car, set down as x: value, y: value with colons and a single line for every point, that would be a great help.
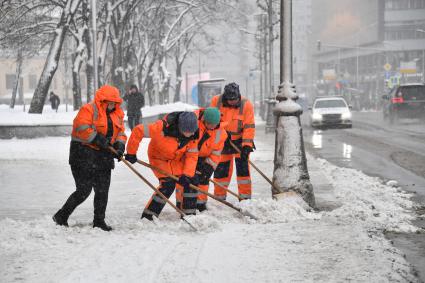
x: 330, y: 111
x: 404, y: 101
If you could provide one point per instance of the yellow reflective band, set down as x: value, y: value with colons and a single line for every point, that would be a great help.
x: 158, y: 199
x: 249, y: 126
x: 83, y: 127
x: 210, y: 162
x: 244, y: 182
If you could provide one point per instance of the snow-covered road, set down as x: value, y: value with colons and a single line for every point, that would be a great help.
x: 287, y: 243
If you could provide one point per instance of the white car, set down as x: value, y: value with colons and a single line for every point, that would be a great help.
x: 330, y: 111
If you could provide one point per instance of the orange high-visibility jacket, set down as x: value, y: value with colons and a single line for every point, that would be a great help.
x: 92, y: 119
x: 240, y: 121
x: 167, y: 149
x: 211, y: 142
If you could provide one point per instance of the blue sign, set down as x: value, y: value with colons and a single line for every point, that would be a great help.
x: 387, y: 75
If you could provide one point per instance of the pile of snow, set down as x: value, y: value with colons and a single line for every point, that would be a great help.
x: 18, y: 116
x: 288, y: 242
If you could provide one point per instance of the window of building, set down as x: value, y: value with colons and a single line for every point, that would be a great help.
x: 404, y: 4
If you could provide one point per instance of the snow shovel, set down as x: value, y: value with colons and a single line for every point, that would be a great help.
x: 222, y: 187
x: 256, y: 168
x: 153, y: 188
x: 245, y: 213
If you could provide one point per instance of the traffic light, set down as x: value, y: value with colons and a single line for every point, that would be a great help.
x: 319, y: 45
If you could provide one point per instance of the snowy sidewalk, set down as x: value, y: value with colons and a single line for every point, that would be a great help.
x: 343, y: 242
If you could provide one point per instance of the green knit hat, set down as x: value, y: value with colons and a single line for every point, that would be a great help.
x: 212, y: 115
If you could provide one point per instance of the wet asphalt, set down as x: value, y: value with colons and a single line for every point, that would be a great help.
x: 389, y: 151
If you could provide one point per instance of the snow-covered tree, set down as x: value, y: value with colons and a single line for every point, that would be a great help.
x: 68, y: 11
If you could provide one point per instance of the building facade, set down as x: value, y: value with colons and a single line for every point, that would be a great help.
x: 362, y: 48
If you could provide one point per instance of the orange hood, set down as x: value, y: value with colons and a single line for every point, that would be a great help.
x: 107, y: 93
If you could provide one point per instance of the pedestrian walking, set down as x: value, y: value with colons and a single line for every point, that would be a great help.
x: 54, y: 101
x: 135, y: 101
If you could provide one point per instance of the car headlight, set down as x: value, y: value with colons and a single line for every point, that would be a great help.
x: 316, y: 116
x: 346, y: 116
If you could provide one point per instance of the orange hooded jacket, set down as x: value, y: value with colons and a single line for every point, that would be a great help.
x: 167, y: 149
x: 240, y: 121
x: 92, y: 119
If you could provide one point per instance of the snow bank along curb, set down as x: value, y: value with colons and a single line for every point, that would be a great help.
x: 288, y: 242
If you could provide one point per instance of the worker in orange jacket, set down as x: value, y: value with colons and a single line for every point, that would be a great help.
x: 173, y: 148
x: 212, y: 136
x: 238, y: 113
x: 97, y: 125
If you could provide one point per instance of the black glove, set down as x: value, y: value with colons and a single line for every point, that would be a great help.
x: 119, y: 148
x: 246, y: 150
x: 184, y: 181
x: 206, y: 171
x: 101, y: 141
x: 132, y: 158
x: 195, y: 180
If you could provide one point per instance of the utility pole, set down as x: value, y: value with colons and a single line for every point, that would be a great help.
x: 266, y: 73
x: 290, y: 175
x: 271, y: 39
x: 94, y: 34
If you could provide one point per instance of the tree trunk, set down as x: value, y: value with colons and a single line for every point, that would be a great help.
x: 117, y: 69
x: 16, y: 85
x: 40, y: 93
x: 150, y: 88
x: 178, y: 82
x: 104, y: 46
x: 87, y: 39
x: 76, y: 83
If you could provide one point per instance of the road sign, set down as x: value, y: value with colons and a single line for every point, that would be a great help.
x: 408, y: 67
x: 387, y: 67
x: 387, y: 75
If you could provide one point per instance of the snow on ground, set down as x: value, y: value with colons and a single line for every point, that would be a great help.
x: 18, y: 116
x: 288, y: 243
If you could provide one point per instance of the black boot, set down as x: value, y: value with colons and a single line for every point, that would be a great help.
x: 61, y: 218
x: 102, y: 225
x: 201, y: 207
x: 147, y: 216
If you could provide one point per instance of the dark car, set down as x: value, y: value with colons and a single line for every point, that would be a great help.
x: 404, y: 101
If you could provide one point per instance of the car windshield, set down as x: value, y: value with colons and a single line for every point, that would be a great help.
x: 337, y: 103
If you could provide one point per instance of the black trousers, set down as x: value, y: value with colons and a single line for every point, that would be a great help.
x: 133, y: 120
x: 86, y: 180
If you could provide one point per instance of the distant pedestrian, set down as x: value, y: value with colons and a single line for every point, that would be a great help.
x: 135, y: 101
x: 54, y: 101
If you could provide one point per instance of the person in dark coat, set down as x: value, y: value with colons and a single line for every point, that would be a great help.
x: 135, y: 101
x: 54, y: 101
x: 97, y: 125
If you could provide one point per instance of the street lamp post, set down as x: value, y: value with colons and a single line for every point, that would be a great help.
x: 423, y: 56
x: 290, y: 175
x: 94, y: 33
